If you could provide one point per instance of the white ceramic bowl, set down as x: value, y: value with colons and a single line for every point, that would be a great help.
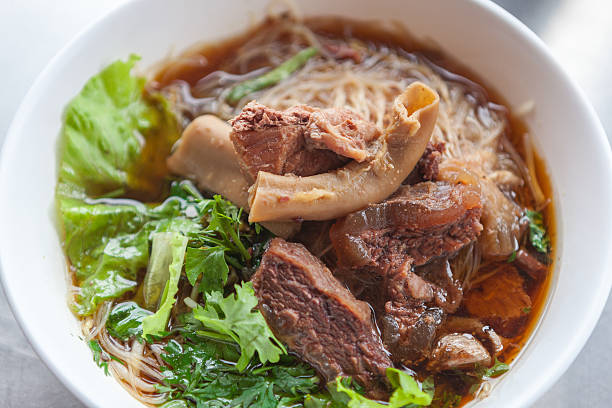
x: 481, y: 35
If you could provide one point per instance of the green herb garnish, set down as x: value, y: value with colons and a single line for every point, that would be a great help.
x: 235, y: 319
x: 125, y: 320
x: 98, y: 355
x: 498, y: 369
x: 202, y: 373
x: 537, y: 231
x: 406, y: 391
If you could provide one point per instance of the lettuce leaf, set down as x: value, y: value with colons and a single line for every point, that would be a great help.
x: 107, y: 243
x: 102, y: 134
x: 175, y: 244
x: 235, y: 319
x: 107, y: 128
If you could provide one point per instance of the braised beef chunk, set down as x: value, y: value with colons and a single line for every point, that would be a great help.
x: 415, y: 308
x: 378, y: 248
x: 273, y: 141
x: 318, y: 318
x: 418, y: 222
x: 409, y: 330
x: 300, y: 140
x: 529, y: 264
x: 448, y: 291
x: 427, y: 167
x: 458, y: 351
x: 471, y: 325
x: 341, y: 131
x: 429, y: 162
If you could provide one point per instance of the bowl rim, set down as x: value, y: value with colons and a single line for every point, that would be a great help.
x: 557, y: 367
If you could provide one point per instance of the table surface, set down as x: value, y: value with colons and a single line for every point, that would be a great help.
x: 579, y: 32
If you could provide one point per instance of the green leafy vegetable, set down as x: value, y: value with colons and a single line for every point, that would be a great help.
x: 174, y: 243
x: 200, y: 373
x: 158, y: 269
x: 234, y: 319
x: 102, y: 132
x: 208, y: 262
x: 447, y: 399
x: 498, y: 369
x: 107, y: 244
x: 224, y: 222
x: 537, y: 231
x: 125, y: 320
x: 406, y: 392
x: 223, y: 242
x: 272, y: 77
x: 406, y: 389
x: 98, y: 354
x: 512, y: 257
x: 356, y: 400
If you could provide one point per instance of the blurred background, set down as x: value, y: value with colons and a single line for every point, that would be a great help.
x: 579, y: 33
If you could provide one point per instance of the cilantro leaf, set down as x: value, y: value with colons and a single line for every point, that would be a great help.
x: 233, y: 318
x: 200, y: 373
x: 537, y: 231
x: 210, y: 264
x: 125, y: 320
x: 223, y: 242
x: 356, y: 400
x: 406, y: 389
x: 406, y: 392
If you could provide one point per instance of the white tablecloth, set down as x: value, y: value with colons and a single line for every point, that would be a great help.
x: 31, y: 31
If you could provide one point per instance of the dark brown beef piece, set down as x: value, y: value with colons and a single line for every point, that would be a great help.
x: 409, y: 330
x: 301, y: 140
x: 429, y: 162
x: 427, y: 167
x: 448, y: 291
x: 418, y: 222
x: 378, y: 247
x: 318, y: 318
x: 417, y: 302
x: 529, y: 264
x: 273, y: 141
x: 341, y: 131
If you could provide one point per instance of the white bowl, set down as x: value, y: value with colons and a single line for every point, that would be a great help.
x: 496, y: 46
